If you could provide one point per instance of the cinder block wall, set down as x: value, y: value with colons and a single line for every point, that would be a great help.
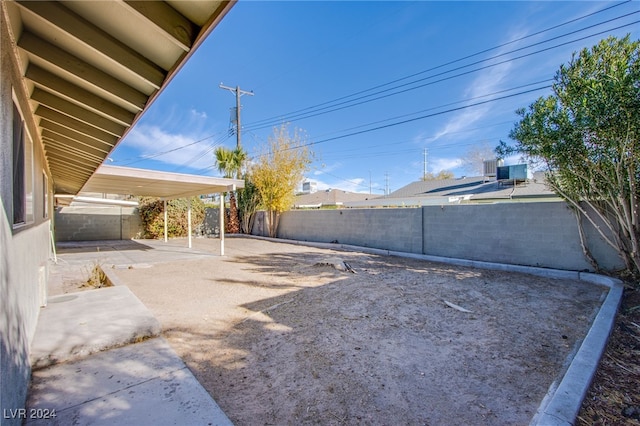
x: 530, y: 234
x: 89, y: 223
x: 390, y: 229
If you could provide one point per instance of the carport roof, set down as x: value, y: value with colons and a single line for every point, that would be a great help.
x: 130, y: 181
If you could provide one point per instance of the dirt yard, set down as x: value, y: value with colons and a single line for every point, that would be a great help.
x: 278, y: 335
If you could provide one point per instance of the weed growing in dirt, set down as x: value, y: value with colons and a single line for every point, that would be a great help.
x: 96, y: 277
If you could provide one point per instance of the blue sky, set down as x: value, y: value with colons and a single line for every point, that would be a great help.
x: 372, y: 84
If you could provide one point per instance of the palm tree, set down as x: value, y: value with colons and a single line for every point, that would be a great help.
x: 230, y: 165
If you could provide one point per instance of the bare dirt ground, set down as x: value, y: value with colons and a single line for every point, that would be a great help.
x: 277, y: 335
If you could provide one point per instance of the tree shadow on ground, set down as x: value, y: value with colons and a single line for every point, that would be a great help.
x: 380, y: 346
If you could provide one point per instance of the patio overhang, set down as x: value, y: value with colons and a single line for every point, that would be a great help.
x: 154, y: 183
x: 90, y: 69
x: 164, y: 185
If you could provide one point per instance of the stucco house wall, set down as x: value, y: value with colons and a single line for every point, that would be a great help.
x: 24, y: 249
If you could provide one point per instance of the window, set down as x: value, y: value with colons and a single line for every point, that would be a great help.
x: 19, y: 199
x: 22, y: 172
x: 45, y: 195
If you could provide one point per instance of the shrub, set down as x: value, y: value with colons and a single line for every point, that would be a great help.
x: 152, y: 215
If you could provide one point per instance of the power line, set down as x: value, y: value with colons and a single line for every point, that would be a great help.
x: 453, y: 109
x: 440, y: 106
x: 159, y: 154
x: 316, y: 108
x: 396, y: 143
x: 421, y: 117
x: 338, y: 108
x: 428, y: 77
x: 209, y: 149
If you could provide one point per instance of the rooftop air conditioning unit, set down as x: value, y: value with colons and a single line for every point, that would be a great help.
x: 490, y: 167
x: 514, y: 173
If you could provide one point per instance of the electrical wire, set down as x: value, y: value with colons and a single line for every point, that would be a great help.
x: 422, y: 117
x: 208, y: 150
x: 438, y: 107
x: 327, y: 109
x: 363, y: 99
x: 159, y: 154
x: 315, y: 108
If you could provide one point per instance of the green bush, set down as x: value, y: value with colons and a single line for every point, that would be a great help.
x: 152, y: 215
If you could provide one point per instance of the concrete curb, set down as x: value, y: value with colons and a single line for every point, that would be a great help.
x: 562, y: 403
x: 563, y: 400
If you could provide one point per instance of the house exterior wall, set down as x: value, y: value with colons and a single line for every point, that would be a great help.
x: 24, y: 250
x: 91, y: 223
x: 543, y: 234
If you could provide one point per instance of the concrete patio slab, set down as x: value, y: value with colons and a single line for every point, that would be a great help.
x: 78, y: 324
x: 143, y: 383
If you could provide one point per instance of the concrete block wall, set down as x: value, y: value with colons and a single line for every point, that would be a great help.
x: 532, y: 234
x: 391, y: 229
x: 211, y: 225
x: 89, y: 223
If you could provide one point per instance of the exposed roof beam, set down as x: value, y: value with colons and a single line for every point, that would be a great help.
x: 73, y: 110
x: 71, y: 154
x: 98, y: 40
x: 80, y: 69
x: 64, y: 88
x: 78, y: 165
x: 73, y: 124
x: 52, y: 139
x: 72, y: 134
x: 180, y: 30
x: 65, y: 183
x: 62, y: 169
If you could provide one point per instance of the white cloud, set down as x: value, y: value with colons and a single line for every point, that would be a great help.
x: 198, y: 114
x: 439, y: 164
x: 350, y: 185
x: 490, y: 80
x: 152, y: 142
x: 323, y: 168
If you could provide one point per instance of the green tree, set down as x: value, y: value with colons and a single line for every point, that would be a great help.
x: 441, y: 175
x: 230, y: 164
x: 586, y: 135
x: 152, y: 214
x: 248, y: 203
x: 278, y: 170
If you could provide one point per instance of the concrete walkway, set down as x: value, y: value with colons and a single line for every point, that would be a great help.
x: 98, y: 359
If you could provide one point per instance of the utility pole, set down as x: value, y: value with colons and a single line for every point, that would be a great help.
x: 238, y: 93
x: 424, y: 175
x: 386, y: 185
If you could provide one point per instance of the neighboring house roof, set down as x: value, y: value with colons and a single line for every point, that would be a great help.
x: 330, y: 197
x: 468, y: 189
x: 91, y: 68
